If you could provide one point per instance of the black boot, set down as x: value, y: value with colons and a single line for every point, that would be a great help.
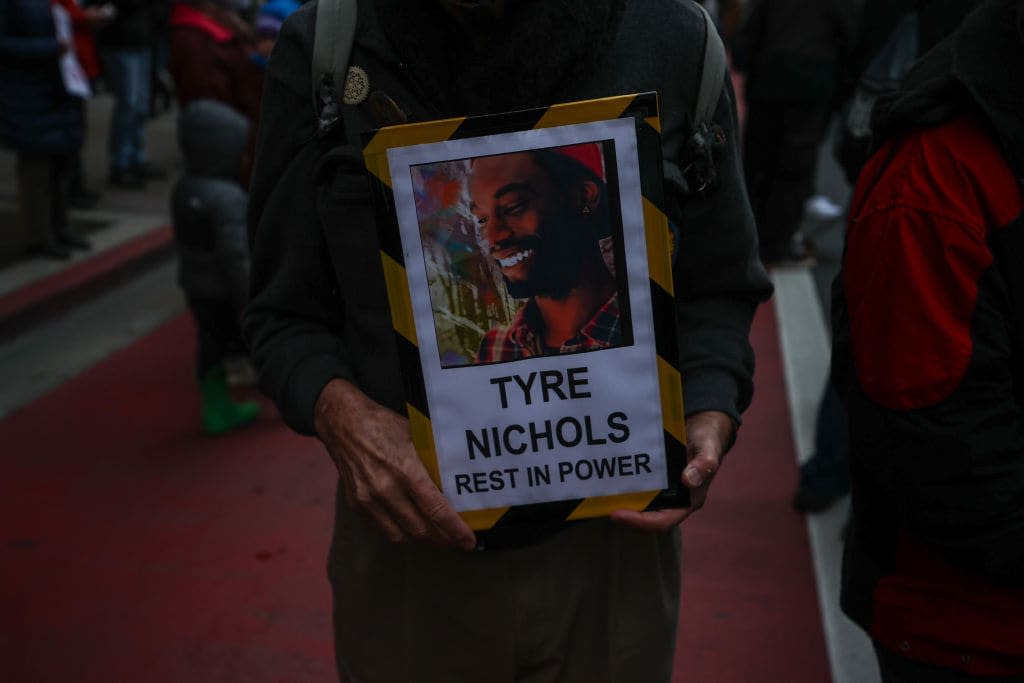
x: 148, y: 171
x: 54, y: 250
x: 825, y: 478
x: 66, y: 239
x: 80, y: 196
x: 84, y: 199
x: 126, y: 178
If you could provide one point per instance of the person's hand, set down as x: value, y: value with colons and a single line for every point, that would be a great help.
x: 708, y: 434
x: 381, y: 473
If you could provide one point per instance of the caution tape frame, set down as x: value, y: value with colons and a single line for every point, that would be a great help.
x: 659, y: 240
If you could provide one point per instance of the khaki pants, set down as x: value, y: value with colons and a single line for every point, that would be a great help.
x: 594, y: 604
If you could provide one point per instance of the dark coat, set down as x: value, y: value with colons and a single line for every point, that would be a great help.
x: 36, y: 113
x: 936, y: 20
x: 319, y: 305
x: 927, y: 354
x: 795, y: 50
x: 136, y: 24
x: 208, y: 204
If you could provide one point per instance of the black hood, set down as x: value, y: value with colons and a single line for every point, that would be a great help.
x: 978, y: 68
x: 212, y: 137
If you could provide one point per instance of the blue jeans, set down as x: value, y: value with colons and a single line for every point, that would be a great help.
x: 127, y: 72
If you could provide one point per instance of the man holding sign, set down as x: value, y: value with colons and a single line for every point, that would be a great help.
x: 595, y: 601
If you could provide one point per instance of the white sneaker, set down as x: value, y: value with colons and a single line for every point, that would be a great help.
x: 822, y: 208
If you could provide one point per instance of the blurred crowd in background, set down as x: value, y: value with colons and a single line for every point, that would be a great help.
x: 150, y: 56
x: 200, y: 60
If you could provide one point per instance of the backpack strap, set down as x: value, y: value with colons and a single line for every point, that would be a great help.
x: 332, y: 44
x: 712, y: 74
x: 699, y: 171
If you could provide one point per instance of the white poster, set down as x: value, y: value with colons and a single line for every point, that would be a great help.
x: 527, y: 270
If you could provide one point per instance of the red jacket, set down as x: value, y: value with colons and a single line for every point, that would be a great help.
x: 208, y: 61
x: 929, y: 354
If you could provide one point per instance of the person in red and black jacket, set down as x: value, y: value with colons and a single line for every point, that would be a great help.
x: 928, y: 318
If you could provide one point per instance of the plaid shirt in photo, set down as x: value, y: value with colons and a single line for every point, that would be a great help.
x: 523, y: 337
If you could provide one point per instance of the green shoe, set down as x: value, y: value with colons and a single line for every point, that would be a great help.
x: 220, y: 413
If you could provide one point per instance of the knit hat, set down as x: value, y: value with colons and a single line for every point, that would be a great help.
x: 587, y: 154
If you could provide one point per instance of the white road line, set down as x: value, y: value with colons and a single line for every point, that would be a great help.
x: 804, y: 338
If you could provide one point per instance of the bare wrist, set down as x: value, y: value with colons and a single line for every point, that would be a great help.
x: 335, y: 399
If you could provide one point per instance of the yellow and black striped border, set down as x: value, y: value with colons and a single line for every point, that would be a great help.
x: 642, y: 107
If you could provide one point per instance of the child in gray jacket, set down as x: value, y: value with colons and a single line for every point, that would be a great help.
x: 208, y: 206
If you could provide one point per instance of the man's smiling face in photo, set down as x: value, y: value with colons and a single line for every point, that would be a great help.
x: 527, y: 224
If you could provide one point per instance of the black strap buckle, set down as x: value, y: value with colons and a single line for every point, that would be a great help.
x: 701, y: 150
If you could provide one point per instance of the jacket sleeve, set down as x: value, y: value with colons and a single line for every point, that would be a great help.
x: 720, y: 282
x: 231, y: 246
x: 294, y: 321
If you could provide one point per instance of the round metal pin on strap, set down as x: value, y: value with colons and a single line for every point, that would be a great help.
x: 357, y: 86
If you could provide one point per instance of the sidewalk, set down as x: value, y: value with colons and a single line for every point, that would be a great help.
x: 128, y: 228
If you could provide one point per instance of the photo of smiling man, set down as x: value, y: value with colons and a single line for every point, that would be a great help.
x: 521, y: 251
x: 544, y: 219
